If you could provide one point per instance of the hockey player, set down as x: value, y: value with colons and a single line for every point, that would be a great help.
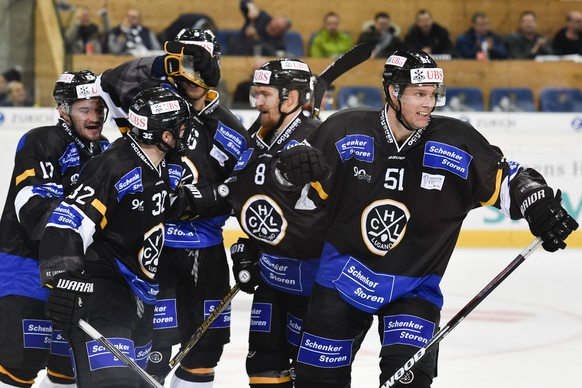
x: 101, y: 246
x: 402, y: 182
x: 46, y: 168
x: 193, y: 272
x: 285, y: 231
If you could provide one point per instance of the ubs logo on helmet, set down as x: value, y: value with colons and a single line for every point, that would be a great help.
x: 383, y: 225
x: 152, y: 248
x: 262, y: 218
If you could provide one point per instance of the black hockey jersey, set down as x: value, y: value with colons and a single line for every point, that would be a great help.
x: 285, y: 224
x: 217, y: 141
x: 118, y: 209
x: 46, y: 167
x: 396, y: 210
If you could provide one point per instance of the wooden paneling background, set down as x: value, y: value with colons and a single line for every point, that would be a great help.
x: 307, y: 15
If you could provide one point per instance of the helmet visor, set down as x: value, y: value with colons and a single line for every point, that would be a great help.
x: 433, y: 94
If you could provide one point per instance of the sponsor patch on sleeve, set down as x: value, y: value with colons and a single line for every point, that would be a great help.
x: 130, y: 183
x: 175, y: 173
x: 70, y: 158
x: 243, y: 159
x: 360, y: 147
x: 67, y: 216
x: 447, y: 157
x: 232, y: 141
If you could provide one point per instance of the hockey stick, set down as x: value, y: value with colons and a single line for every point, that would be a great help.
x: 440, y: 335
x: 199, y: 332
x: 93, y: 333
x: 350, y: 59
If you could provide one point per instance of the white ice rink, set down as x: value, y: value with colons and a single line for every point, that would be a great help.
x: 527, y: 333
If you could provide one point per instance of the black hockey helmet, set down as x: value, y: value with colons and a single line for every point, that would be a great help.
x: 179, y: 64
x: 286, y: 74
x: 204, y: 38
x: 404, y: 68
x: 73, y: 86
x: 154, y: 111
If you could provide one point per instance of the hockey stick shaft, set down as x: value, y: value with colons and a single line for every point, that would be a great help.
x: 350, y: 59
x: 442, y: 333
x: 93, y: 333
x: 200, y: 331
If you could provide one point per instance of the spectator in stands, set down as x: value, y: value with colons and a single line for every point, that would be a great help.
x: 569, y: 39
x: 4, y: 87
x: 479, y: 42
x: 132, y: 37
x: 5, y: 78
x: 428, y: 36
x: 17, y: 96
x: 197, y: 21
x: 383, y: 33
x: 83, y: 36
x: 330, y: 41
x: 527, y: 42
x: 262, y: 34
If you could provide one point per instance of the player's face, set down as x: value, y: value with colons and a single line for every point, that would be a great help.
x: 87, y: 117
x: 417, y: 104
x: 191, y: 91
x: 267, y: 103
x: 172, y: 141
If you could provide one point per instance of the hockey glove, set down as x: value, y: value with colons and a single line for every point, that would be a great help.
x: 302, y: 164
x: 245, y: 257
x: 66, y: 302
x: 192, y: 62
x: 547, y: 218
x: 190, y: 201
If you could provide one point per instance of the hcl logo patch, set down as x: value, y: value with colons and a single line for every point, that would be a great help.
x: 152, y: 249
x: 383, y: 225
x: 264, y: 219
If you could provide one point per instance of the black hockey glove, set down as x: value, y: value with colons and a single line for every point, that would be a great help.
x: 66, y: 302
x: 192, y: 62
x: 190, y: 201
x: 302, y: 164
x: 547, y: 218
x: 245, y: 257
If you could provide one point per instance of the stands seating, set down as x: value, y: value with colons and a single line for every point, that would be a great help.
x: 560, y: 100
x: 294, y: 42
x: 464, y: 99
x: 223, y: 37
x: 359, y: 96
x: 511, y: 100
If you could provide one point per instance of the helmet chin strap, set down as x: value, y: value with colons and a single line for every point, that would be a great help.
x: 283, y: 115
